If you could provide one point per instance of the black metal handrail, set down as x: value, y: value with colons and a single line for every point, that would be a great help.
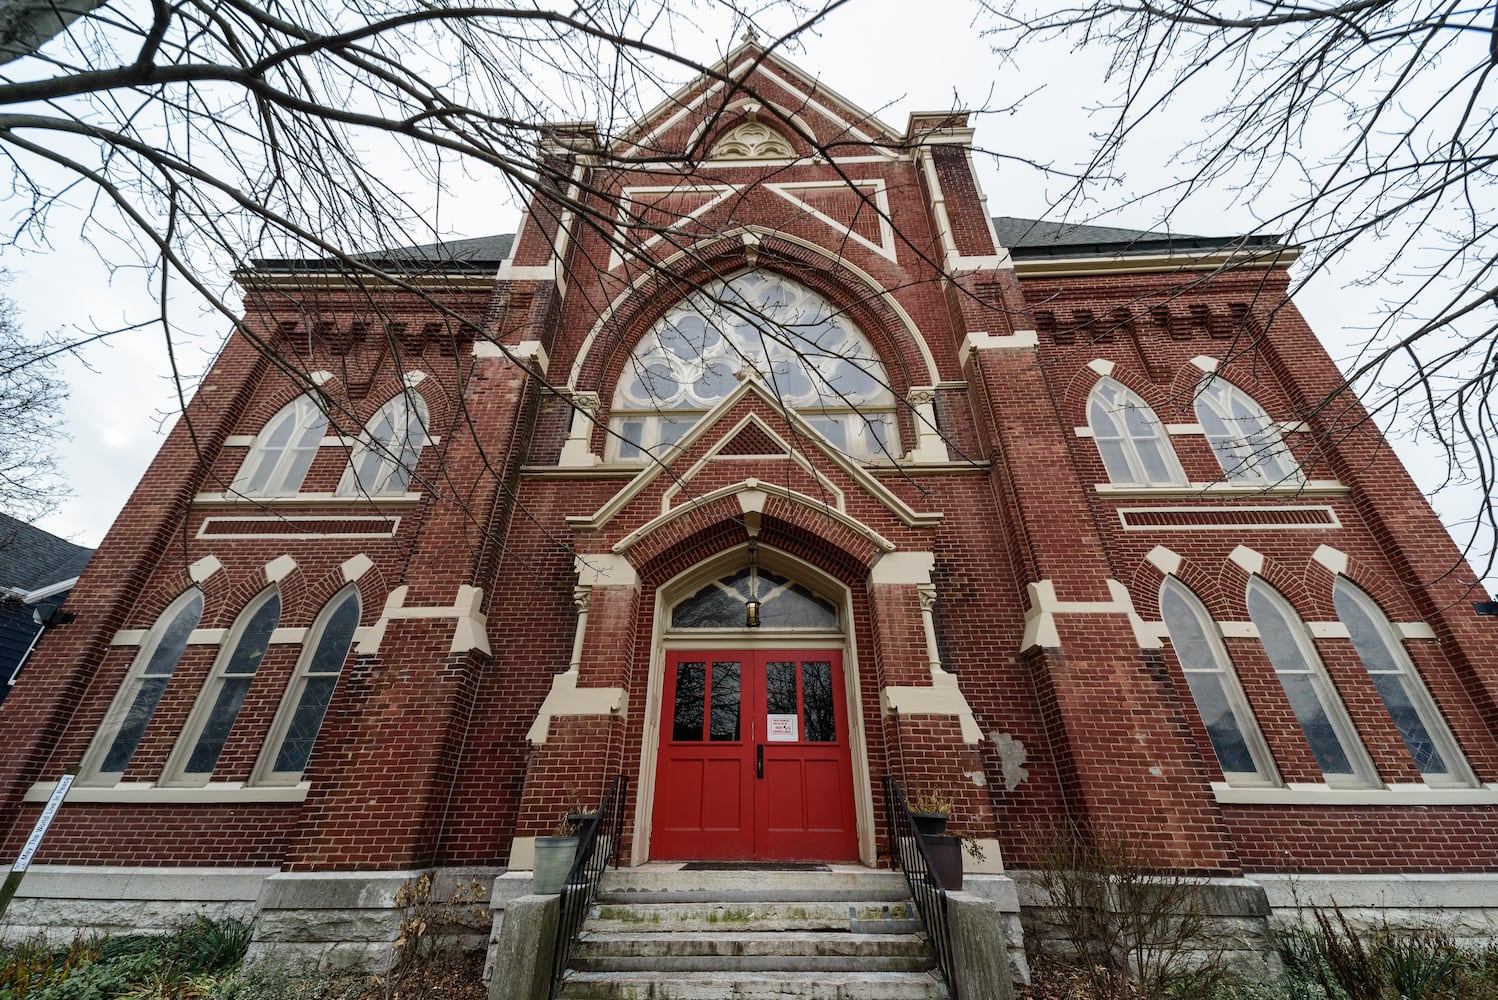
x: 582, y: 881
x: 908, y: 851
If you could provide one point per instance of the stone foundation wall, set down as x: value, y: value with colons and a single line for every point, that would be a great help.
x: 58, y: 901
x: 1461, y: 906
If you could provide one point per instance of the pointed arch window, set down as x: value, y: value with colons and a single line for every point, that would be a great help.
x: 754, y: 325
x: 134, y: 704
x: 389, y: 448
x: 1334, y: 742
x: 283, y: 450
x: 1245, y: 440
x: 1239, y: 745
x: 1425, y: 734
x: 1132, y: 441
x: 782, y: 603
x: 294, y: 732
x: 224, y: 691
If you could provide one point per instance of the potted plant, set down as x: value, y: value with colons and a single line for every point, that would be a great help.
x: 929, y: 811
x: 555, y: 856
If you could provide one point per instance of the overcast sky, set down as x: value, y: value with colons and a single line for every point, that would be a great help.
x: 892, y: 58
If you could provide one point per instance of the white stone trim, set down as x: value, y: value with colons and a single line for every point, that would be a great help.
x: 1164, y: 560
x: 912, y: 568
x: 355, y: 567
x: 1387, y: 890
x: 1415, y: 630
x: 605, y: 569
x: 929, y: 446
x: 1044, y: 606
x: 526, y: 350
x: 204, y: 568
x: 1317, y: 794
x: 566, y: 698
x: 150, y: 793
x: 1309, y: 488
x: 622, y: 223
x: 1245, y: 523
x: 1249, y: 560
x: 879, y: 195
x: 279, y: 568
x: 239, y: 441
x: 1334, y: 560
x: 1205, y: 363
x: 980, y: 340
x: 1102, y: 366
x: 470, y: 629
x: 310, y: 499
x: 527, y: 272
x: 941, y: 697
x: 1185, y: 429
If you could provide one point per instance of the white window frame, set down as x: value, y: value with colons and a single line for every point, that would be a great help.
x: 265, y: 773
x: 1105, y: 416
x: 175, y: 774
x: 135, y: 679
x: 1459, y: 771
x: 1364, y: 774
x: 1254, y: 455
x: 310, y: 424
x: 385, y: 466
x: 1264, y: 774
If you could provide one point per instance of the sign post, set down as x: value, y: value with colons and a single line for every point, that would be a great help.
x: 23, y: 860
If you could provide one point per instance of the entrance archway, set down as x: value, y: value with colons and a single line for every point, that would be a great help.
x: 754, y: 743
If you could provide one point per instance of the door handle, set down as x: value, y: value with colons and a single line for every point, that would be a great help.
x: 759, y: 761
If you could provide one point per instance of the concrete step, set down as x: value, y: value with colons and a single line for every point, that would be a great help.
x: 751, y: 951
x: 646, y: 912
x: 762, y: 985
x: 666, y: 884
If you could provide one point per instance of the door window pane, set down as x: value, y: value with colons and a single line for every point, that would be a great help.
x: 725, y: 697
x: 780, y: 689
x: 816, y: 694
x: 691, y: 689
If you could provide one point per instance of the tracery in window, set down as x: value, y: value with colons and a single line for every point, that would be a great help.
x: 1334, y: 742
x: 754, y: 325
x: 283, y: 450
x: 388, y: 449
x: 125, y: 722
x: 1245, y: 440
x: 1240, y: 748
x: 224, y: 691
x: 294, y: 733
x: 1132, y: 441
x: 752, y: 140
x: 1425, y: 734
x: 783, y: 603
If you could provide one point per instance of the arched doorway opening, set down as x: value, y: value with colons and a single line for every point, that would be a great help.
x: 754, y: 744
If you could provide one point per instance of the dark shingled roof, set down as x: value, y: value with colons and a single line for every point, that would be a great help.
x: 481, y: 255
x: 31, y: 558
x: 1025, y: 239
x: 1032, y: 238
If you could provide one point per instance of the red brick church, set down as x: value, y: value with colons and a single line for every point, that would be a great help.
x: 770, y: 458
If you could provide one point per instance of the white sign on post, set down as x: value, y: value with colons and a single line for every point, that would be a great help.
x: 782, y: 728
x: 23, y: 860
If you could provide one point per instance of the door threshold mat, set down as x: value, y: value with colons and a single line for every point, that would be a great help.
x: 754, y: 866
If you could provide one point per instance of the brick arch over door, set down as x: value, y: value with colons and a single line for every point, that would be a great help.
x: 794, y: 552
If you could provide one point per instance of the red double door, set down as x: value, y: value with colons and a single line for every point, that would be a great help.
x: 754, y: 758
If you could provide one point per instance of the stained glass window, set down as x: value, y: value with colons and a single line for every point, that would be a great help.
x: 783, y: 603
x: 1131, y: 439
x: 311, y: 689
x: 1245, y: 440
x: 283, y: 450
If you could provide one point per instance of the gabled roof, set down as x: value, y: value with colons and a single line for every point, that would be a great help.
x: 31, y: 559
x: 1032, y: 238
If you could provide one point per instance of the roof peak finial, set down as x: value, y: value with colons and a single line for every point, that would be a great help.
x: 751, y: 37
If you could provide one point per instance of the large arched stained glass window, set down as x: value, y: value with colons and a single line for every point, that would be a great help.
x: 283, y: 450
x: 759, y: 325
x: 1135, y: 448
x: 1244, y: 438
x: 389, y: 448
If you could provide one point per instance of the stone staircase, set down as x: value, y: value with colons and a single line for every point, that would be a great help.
x: 658, y: 932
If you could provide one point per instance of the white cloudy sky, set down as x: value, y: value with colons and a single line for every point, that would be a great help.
x: 890, y: 57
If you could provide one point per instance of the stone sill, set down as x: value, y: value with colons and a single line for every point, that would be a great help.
x: 306, y: 500
x: 1324, y: 795
x: 1309, y: 488
x: 149, y: 793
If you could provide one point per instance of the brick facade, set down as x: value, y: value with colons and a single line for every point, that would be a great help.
x: 1045, y: 580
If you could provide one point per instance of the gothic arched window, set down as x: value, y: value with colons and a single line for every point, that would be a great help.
x: 1425, y: 734
x: 1135, y: 448
x: 294, y: 732
x: 223, y: 693
x: 283, y: 450
x: 1334, y: 742
x: 1241, y: 751
x: 125, y: 722
x: 753, y: 325
x: 389, y: 447
x: 1245, y: 440
x: 782, y: 603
